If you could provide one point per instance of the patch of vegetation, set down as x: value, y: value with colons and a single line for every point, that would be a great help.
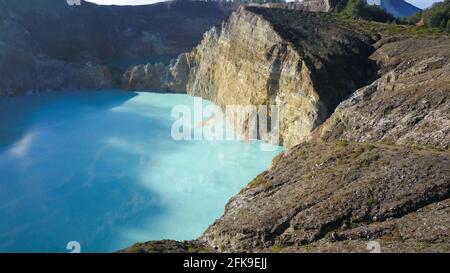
x: 370, y: 20
x: 366, y: 162
x: 393, y: 28
x: 358, y: 151
x: 277, y: 159
x: 257, y: 182
x: 348, y: 224
x: 342, y: 143
x: 359, y: 9
x: 195, y: 248
x: 438, y: 16
x: 370, y: 147
x: 136, y: 248
x: 277, y: 248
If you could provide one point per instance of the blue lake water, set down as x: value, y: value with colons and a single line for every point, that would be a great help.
x: 101, y: 168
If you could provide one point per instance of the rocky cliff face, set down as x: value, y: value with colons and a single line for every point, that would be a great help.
x: 146, y: 77
x: 305, y: 63
x: 391, y: 185
x: 172, y: 77
x: 318, y: 5
x: 50, y: 45
x: 305, y: 5
x: 408, y: 105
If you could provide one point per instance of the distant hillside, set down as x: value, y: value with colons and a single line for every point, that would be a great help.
x: 438, y: 16
x: 48, y: 44
x: 398, y: 8
x: 359, y: 9
x: 90, y: 31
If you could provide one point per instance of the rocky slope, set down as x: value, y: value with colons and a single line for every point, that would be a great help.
x: 337, y: 192
x: 49, y: 45
x: 408, y: 105
x: 377, y: 169
x: 319, y: 5
x: 305, y: 63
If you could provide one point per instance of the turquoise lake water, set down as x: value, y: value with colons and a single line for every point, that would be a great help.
x: 102, y: 169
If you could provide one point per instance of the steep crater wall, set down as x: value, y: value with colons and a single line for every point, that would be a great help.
x: 49, y: 45
x: 305, y: 63
x: 409, y: 105
x: 377, y: 169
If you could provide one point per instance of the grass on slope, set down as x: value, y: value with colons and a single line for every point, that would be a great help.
x: 370, y: 27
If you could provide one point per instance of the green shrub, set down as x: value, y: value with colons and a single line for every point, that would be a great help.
x: 437, y: 16
x: 359, y: 9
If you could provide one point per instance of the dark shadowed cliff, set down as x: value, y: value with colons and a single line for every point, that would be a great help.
x: 50, y: 45
x: 410, y: 103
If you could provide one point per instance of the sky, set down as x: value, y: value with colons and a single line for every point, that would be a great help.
x: 419, y: 3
